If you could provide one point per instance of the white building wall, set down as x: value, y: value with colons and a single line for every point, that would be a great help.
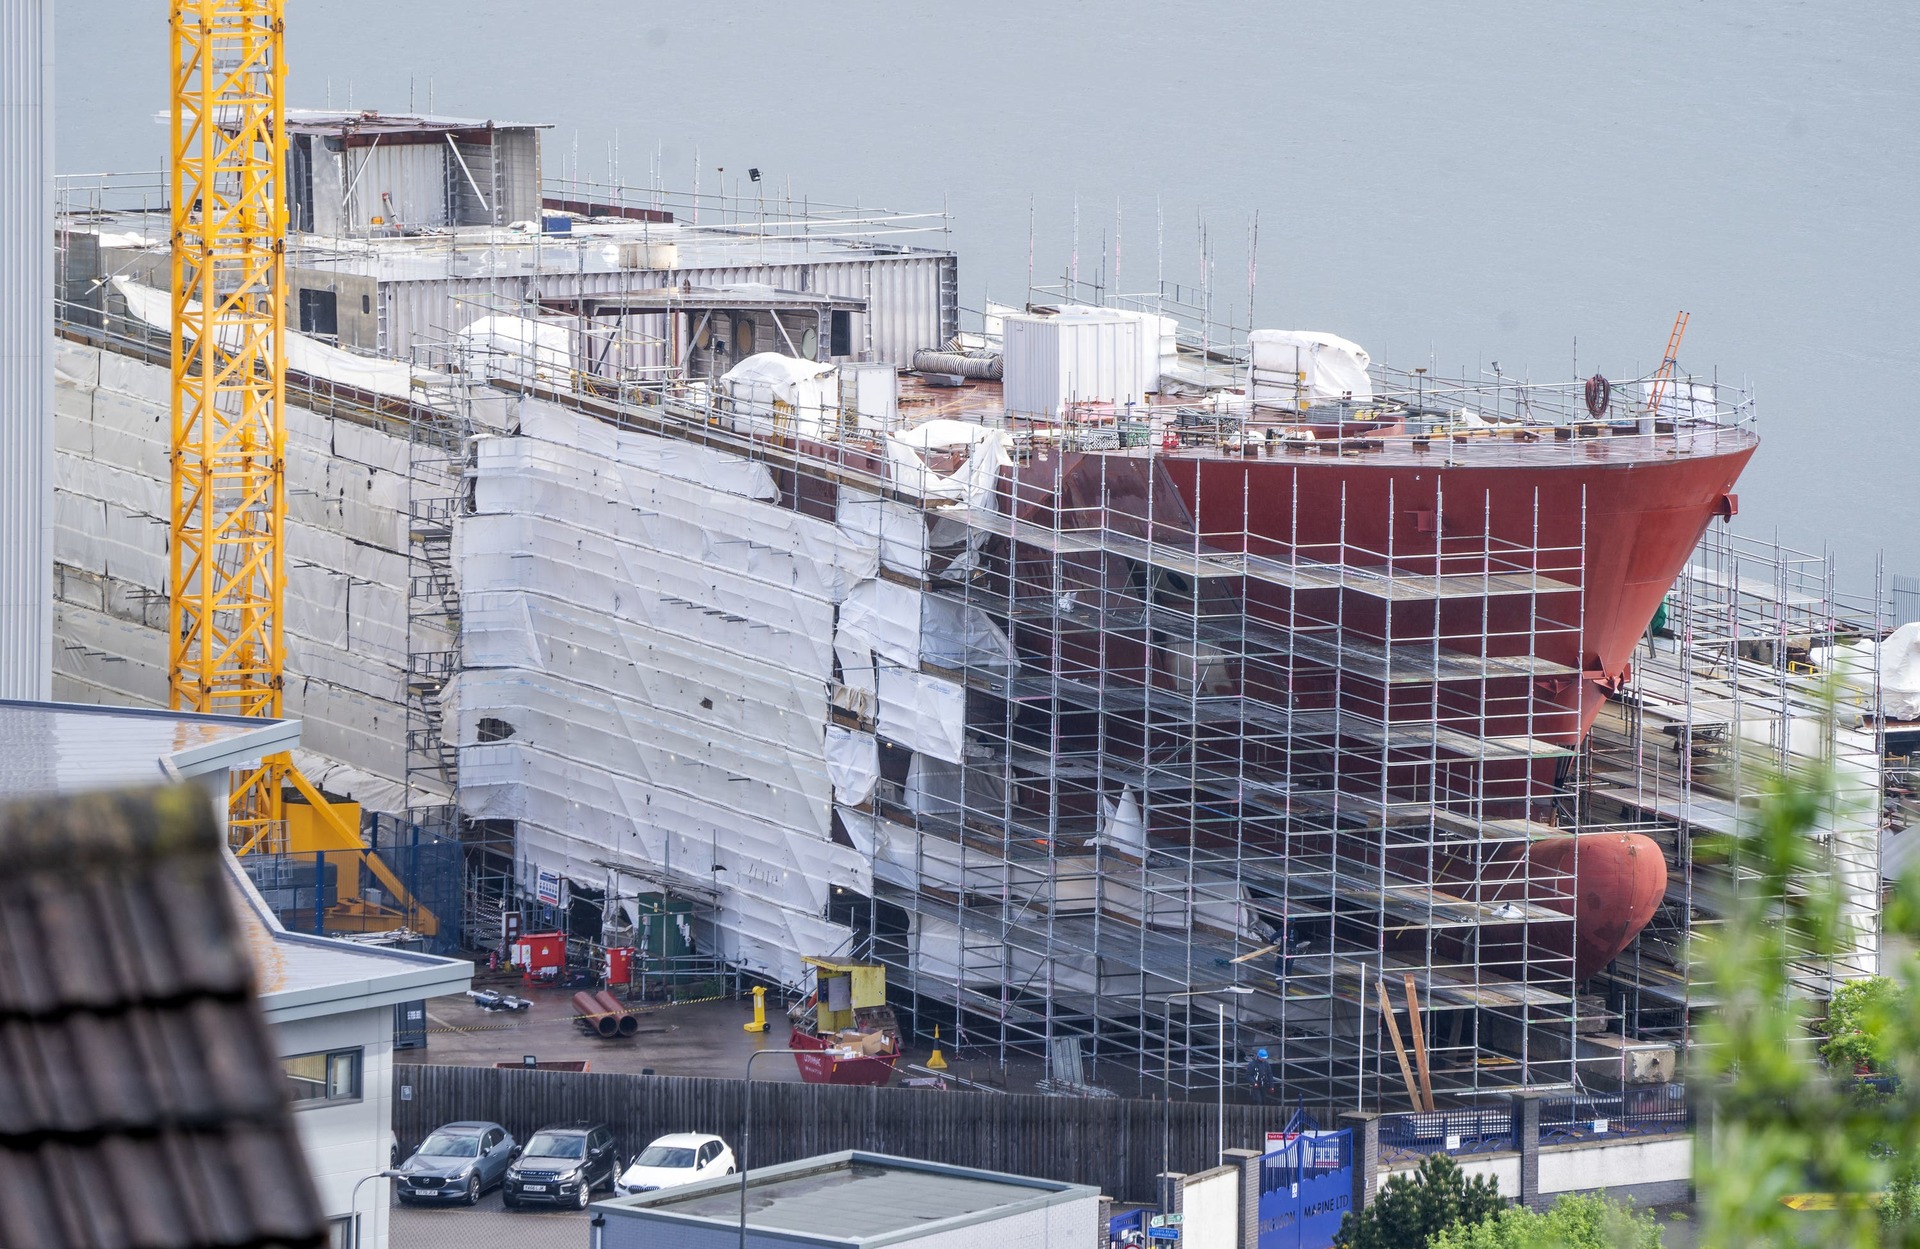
x: 26, y: 347
x: 1210, y: 1210
x: 344, y: 1143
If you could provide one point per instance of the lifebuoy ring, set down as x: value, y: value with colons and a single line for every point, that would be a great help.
x: 1599, y: 395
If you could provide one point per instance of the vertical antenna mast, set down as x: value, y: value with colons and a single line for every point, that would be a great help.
x: 228, y: 552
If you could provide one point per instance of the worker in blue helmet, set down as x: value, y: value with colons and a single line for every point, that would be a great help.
x: 1260, y: 1075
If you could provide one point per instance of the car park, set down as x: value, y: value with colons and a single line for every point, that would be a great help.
x: 561, y: 1165
x: 456, y: 1164
x: 678, y: 1159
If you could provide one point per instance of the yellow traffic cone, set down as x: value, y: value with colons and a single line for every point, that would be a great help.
x: 937, y: 1062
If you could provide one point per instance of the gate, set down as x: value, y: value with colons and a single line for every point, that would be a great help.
x: 1306, y: 1187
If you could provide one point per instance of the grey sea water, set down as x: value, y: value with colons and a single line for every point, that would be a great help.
x: 1462, y: 182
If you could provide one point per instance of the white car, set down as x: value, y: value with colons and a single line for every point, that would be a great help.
x: 678, y: 1159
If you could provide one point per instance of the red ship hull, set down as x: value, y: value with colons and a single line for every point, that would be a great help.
x: 820, y: 1067
x: 1576, y: 540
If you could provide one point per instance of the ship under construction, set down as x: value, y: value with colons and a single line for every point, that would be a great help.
x: 695, y: 573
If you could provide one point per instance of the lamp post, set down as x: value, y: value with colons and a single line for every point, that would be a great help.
x: 746, y: 1126
x: 1220, y: 1136
x: 353, y: 1199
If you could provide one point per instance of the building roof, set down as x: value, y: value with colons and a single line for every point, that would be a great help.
x: 141, y: 1098
x: 853, y: 1198
x: 66, y: 748
x: 369, y: 121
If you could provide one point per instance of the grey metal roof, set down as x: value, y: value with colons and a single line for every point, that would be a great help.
x: 64, y: 748
x: 854, y: 1198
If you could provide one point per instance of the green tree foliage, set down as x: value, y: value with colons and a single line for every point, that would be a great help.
x: 1573, y: 1221
x: 1858, y: 1019
x: 1409, y: 1211
x: 1783, y: 1124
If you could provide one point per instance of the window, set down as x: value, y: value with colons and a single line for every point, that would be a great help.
x: 840, y: 333
x: 329, y: 1077
x: 320, y: 313
x: 340, y: 1233
x: 708, y: 1152
x: 493, y: 1140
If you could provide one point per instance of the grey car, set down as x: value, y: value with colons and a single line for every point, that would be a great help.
x: 455, y: 1164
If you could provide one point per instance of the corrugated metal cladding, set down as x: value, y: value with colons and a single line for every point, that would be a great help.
x: 26, y: 348
x: 404, y: 183
x: 909, y: 304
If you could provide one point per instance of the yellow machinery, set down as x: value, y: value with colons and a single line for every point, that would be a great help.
x: 226, y: 643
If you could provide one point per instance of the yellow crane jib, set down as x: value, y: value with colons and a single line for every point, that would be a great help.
x: 227, y: 553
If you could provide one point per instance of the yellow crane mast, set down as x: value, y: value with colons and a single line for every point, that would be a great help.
x: 228, y: 548
x: 226, y: 642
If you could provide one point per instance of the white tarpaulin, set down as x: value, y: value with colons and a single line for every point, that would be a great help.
x: 519, y: 349
x: 1121, y: 826
x: 922, y: 713
x: 898, y: 529
x: 304, y: 355
x: 956, y: 635
x: 1898, y: 659
x: 853, y: 763
x: 1334, y: 368
x: 1900, y: 673
x: 883, y: 616
x: 780, y: 394
x: 973, y: 483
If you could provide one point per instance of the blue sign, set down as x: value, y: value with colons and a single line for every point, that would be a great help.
x: 1306, y: 1188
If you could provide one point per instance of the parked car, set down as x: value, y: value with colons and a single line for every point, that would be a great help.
x: 457, y: 1162
x: 678, y: 1159
x: 561, y: 1166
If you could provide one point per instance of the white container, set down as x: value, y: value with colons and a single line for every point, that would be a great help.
x: 1054, y: 362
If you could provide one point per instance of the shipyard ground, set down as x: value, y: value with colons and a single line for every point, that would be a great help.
x: 699, y: 1038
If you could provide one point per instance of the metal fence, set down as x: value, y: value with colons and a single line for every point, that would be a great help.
x: 404, y: 879
x: 1117, y: 1144
x: 1487, y: 1130
x: 1655, y: 1110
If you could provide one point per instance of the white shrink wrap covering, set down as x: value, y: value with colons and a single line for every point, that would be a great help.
x: 655, y: 636
x: 1334, y: 367
x: 923, y: 713
x: 772, y: 393
x: 853, y: 764
x: 519, y: 349
x: 392, y: 378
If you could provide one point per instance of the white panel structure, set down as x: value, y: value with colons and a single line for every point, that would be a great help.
x: 1078, y: 356
x: 346, y: 566
x: 26, y: 347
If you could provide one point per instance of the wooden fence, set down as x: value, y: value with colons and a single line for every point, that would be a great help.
x: 1115, y: 1144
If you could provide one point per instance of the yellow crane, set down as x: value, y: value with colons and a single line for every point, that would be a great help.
x: 226, y: 641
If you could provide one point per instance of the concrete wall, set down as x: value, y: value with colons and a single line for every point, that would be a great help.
x: 26, y: 347
x: 345, y: 1143
x: 1655, y: 1169
x: 1210, y: 1209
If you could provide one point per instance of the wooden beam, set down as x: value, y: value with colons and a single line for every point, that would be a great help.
x: 1419, y: 1038
x: 1393, y: 1030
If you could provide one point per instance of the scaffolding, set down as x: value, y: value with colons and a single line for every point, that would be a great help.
x: 1218, y: 727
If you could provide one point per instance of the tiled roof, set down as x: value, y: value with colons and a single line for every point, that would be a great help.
x: 141, y: 1101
